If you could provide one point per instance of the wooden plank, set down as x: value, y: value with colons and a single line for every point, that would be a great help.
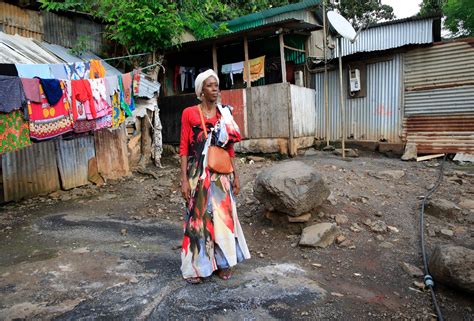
x: 282, y: 57
x: 247, y: 64
x: 214, y: 58
x: 423, y: 158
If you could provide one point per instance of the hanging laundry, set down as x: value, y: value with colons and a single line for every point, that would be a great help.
x: 231, y: 69
x: 257, y: 69
x: 33, y: 70
x: 83, y: 106
x: 128, y: 108
x: 111, y: 87
x: 58, y: 71
x: 84, y: 126
x: 97, y: 70
x: 78, y: 70
x: 48, y: 121
x: 8, y: 70
x: 103, y: 109
x: 136, y: 82
x: 127, y: 87
x: 31, y: 86
x: 52, y: 90
x: 14, y: 132
x: 118, y: 115
x: 187, y: 75
x: 12, y: 96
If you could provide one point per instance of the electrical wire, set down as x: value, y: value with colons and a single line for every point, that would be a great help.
x: 428, y: 279
x: 122, y: 57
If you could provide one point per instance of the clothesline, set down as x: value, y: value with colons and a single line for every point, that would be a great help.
x: 128, y: 56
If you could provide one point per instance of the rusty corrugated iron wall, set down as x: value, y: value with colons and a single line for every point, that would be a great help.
x: 64, y: 30
x: 30, y: 171
x: 439, y: 97
x: 111, y: 152
x: 236, y: 98
x: 73, y: 160
x: 24, y: 22
x: 441, y: 133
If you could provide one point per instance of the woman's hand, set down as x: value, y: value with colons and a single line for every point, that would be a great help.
x: 236, y: 185
x: 185, y: 190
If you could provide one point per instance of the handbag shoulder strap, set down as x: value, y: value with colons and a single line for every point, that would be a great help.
x: 204, y: 128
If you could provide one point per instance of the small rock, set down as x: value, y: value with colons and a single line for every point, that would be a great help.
x: 379, y: 227
x: 442, y: 209
x: 467, y: 204
x: 124, y: 231
x: 447, y: 232
x: 299, y: 219
x: 349, y: 152
x: 347, y: 243
x: 368, y: 222
x: 419, y: 285
x: 388, y: 174
x: 328, y: 148
x: 355, y: 228
x: 411, y: 269
x: 341, y: 219
x: 133, y: 280
x: 393, y: 229
x: 379, y: 237
x: 319, y: 235
x: 386, y: 245
x: 256, y: 159
x: 337, y: 294
x: 316, y: 265
x: 340, y: 239
x: 332, y: 199
x: 411, y: 152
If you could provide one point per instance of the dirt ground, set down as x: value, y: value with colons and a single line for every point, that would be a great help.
x: 112, y: 252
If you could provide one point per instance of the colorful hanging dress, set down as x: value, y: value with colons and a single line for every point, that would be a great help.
x: 213, y: 238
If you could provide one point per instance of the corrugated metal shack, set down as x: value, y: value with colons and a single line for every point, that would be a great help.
x: 63, y: 29
x: 274, y: 113
x: 439, y: 97
x: 48, y: 166
x: 399, y: 81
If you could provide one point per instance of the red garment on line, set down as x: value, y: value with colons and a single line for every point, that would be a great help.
x: 81, y: 90
x: 191, y: 129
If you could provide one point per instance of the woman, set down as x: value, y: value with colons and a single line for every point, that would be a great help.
x: 213, y: 238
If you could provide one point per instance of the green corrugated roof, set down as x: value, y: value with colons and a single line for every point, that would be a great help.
x: 258, y: 18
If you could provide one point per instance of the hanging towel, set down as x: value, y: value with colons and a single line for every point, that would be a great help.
x: 12, y: 96
x: 52, y: 90
x: 226, y: 69
x: 8, y: 70
x: 82, y: 101
x: 237, y: 67
x: 257, y: 69
x: 31, y: 86
x: 136, y: 82
x: 31, y: 71
x: 127, y: 87
x: 97, y: 70
x: 78, y: 70
x: 111, y: 87
x: 99, y: 96
x: 48, y: 121
x: 58, y: 71
x: 14, y: 132
x: 128, y: 108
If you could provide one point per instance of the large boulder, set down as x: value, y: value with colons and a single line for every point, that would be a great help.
x: 453, y: 266
x: 290, y: 187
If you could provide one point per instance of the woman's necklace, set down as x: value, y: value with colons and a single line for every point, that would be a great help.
x: 206, y: 113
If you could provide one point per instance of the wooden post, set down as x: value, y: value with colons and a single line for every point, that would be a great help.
x: 214, y: 57
x: 247, y: 64
x: 282, y: 58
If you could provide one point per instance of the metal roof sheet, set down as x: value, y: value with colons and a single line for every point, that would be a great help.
x: 29, y: 49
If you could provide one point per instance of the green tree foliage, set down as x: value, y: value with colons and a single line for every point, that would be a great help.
x: 363, y: 12
x: 429, y: 7
x: 147, y: 25
x: 459, y: 17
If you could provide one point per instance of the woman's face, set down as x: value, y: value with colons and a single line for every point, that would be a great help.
x: 210, y: 89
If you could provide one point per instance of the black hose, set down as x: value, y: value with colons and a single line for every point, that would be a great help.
x: 428, y: 279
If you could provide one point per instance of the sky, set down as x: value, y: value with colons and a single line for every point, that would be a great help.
x: 404, y: 8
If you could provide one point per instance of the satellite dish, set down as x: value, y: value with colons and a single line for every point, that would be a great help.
x: 342, y: 26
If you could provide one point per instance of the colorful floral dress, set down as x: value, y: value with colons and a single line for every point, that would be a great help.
x: 213, y: 238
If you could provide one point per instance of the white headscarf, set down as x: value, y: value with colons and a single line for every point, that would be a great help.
x: 200, y: 81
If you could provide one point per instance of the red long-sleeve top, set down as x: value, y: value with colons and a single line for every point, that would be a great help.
x: 191, y: 129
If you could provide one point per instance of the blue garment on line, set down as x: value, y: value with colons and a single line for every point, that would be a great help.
x: 32, y: 71
x: 52, y: 90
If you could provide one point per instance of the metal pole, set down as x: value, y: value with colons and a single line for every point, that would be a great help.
x: 343, y: 112
x: 326, y: 86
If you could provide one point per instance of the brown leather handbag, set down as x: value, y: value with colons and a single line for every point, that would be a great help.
x: 218, y: 159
